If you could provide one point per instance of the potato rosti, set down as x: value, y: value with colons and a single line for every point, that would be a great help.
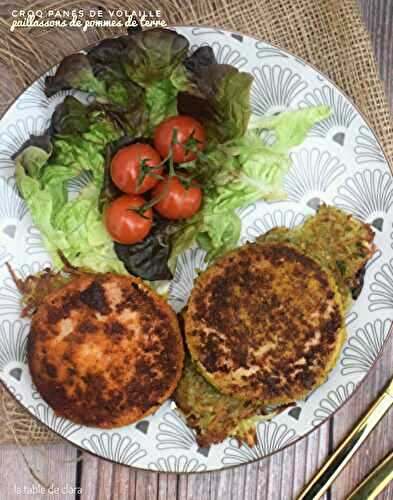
x: 214, y: 415
x: 338, y: 241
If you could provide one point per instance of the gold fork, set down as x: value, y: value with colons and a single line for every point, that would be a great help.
x: 336, y: 463
x: 376, y: 482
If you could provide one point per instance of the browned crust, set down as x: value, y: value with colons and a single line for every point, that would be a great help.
x: 121, y: 355
x: 265, y: 295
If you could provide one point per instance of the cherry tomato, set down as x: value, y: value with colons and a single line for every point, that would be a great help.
x: 123, y: 223
x: 186, y: 128
x: 126, y: 168
x: 177, y: 201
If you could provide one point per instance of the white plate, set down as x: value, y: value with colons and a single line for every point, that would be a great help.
x: 340, y: 163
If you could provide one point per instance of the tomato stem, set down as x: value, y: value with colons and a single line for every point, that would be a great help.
x: 142, y: 209
x: 145, y: 170
x: 186, y: 180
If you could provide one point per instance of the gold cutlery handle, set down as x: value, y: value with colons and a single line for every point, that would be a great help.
x: 335, y: 464
x: 375, y: 482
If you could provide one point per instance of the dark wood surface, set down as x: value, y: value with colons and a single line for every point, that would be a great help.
x: 280, y: 477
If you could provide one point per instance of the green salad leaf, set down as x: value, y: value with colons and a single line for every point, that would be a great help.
x: 291, y: 127
x: 75, y: 72
x: 108, y: 55
x: 218, y: 95
x: 139, y: 78
x: 161, y: 100
x: 151, y: 56
x: 70, y: 117
x: 43, y: 168
x: 148, y: 258
x: 39, y: 150
x: 88, y: 242
x: 76, y: 229
x: 136, y: 77
x: 78, y: 149
x: 241, y: 172
x: 138, y: 81
x: 227, y: 91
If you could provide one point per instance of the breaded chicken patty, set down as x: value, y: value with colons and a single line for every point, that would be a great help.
x: 265, y: 323
x: 105, y: 350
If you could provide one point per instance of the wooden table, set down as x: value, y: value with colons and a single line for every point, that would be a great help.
x: 280, y: 477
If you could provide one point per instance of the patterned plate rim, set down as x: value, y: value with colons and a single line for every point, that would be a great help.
x: 385, y: 342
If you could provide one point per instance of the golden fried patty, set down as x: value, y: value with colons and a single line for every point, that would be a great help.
x: 105, y: 350
x: 265, y: 323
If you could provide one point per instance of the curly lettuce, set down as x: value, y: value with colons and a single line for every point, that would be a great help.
x: 137, y: 77
x: 152, y: 56
x: 142, y: 78
x: 147, y: 76
x: 44, y: 167
x: 243, y: 171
